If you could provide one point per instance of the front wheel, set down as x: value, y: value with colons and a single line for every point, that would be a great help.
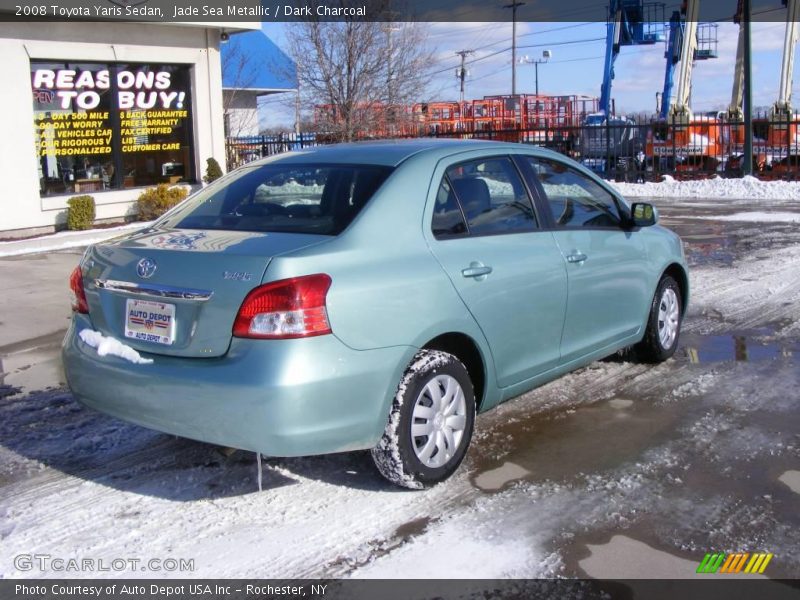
x: 664, y: 324
x: 430, y: 424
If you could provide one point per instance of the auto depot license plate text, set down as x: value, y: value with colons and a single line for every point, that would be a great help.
x: 150, y: 321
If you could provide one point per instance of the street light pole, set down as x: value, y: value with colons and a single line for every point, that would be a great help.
x: 546, y: 54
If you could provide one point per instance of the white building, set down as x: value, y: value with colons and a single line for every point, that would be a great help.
x: 107, y: 110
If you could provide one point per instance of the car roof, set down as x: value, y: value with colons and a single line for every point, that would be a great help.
x: 392, y: 152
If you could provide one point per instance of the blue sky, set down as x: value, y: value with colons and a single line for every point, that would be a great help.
x: 576, y: 66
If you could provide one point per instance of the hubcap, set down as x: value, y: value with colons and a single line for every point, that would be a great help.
x: 438, y: 421
x: 668, y: 318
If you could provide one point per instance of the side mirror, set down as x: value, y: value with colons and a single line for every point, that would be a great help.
x: 643, y: 214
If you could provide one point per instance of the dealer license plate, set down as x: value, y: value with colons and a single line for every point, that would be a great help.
x: 150, y: 321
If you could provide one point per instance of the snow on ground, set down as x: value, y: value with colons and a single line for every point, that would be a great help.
x: 755, y: 217
x: 760, y: 288
x: 66, y: 239
x: 745, y: 188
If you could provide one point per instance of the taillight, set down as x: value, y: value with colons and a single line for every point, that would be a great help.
x: 79, y: 303
x: 289, y: 308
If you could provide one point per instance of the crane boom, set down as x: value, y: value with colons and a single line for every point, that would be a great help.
x: 680, y: 109
x: 613, y: 32
x: 735, y: 112
x: 783, y: 106
x: 673, y: 57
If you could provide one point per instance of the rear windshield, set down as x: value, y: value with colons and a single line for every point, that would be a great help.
x: 321, y: 199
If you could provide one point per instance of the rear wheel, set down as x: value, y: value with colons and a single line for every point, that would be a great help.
x: 430, y: 424
x: 664, y: 324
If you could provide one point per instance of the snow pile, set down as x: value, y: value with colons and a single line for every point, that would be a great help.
x: 716, y: 187
x: 108, y: 345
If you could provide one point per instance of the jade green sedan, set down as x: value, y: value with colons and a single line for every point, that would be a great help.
x: 370, y: 296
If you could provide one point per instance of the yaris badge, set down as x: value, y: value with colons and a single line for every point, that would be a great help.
x: 146, y: 267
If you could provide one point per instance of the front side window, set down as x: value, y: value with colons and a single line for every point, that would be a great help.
x: 320, y: 199
x: 492, y: 196
x: 575, y: 200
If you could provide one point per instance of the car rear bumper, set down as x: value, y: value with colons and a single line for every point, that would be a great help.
x: 279, y: 397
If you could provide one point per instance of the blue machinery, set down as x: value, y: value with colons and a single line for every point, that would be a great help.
x: 639, y: 23
x: 630, y: 23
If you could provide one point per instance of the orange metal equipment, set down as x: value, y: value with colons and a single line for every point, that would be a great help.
x: 694, y: 145
x: 516, y: 118
x: 439, y: 117
x: 371, y: 120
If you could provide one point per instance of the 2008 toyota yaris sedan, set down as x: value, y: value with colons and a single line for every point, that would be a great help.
x: 373, y: 295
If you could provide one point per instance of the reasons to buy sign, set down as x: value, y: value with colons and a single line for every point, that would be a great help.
x: 72, y: 118
x: 137, y: 89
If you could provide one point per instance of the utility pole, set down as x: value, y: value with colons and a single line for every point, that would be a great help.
x: 389, y: 28
x: 462, y: 71
x: 748, y: 90
x: 513, y: 6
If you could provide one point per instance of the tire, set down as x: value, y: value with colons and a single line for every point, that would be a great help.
x: 664, y: 323
x: 439, y: 441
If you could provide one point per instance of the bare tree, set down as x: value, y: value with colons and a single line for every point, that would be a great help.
x: 360, y: 78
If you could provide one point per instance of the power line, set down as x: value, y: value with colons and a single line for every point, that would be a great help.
x: 565, y: 43
x: 495, y: 53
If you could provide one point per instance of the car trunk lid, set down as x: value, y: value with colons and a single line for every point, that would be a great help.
x: 176, y: 292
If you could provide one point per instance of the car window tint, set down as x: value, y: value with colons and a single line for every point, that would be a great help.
x: 493, y: 196
x: 575, y: 200
x: 321, y: 199
x: 448, y: 220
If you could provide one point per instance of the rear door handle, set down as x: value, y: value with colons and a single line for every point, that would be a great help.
x: 476, y: 270
x: 576, y: 257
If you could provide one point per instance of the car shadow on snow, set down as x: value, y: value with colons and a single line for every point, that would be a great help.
x: 52, y: 429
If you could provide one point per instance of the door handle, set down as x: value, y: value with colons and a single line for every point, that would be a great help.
x: 476, y: 270
x: 576, y: 257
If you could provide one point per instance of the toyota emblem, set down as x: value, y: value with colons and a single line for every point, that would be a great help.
x: 145, y: 268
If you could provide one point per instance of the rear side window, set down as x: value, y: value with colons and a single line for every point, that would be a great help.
x: 320, y: 199
x: 575, y: 200
x: 448, y: 220
x: 492, y: 196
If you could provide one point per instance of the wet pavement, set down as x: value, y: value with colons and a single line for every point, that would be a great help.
x: 617, y: 470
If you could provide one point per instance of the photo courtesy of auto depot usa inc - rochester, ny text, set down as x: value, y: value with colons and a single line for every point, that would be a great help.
x: 168, y: 591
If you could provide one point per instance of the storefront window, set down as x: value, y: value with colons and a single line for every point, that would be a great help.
x: 111, y: 126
